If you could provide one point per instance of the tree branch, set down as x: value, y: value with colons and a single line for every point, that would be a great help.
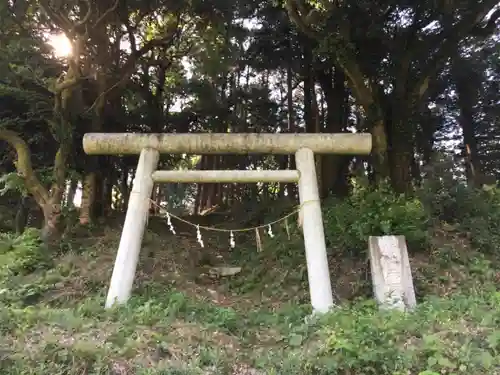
x: 58, y: 18
x: 67, y: 84
x: 298, y: 19
x: 449, y: 40
x: 407, y: 49
x: 85, y: 18
x: 59, y: 176
x: 106, y: 13
x: 488, y: 29
x: 131, y: 38
x: 128, y: 68
x: 24, y: 166
x: 346, y: 59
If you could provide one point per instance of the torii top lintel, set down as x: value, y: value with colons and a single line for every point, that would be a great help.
x: 227, y: 143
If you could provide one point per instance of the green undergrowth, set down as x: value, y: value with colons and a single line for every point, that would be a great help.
x: 451, y: 233
x: 180, y: 321
x: 367, y: 212
x: 165, y: 330
x: 168, y: 333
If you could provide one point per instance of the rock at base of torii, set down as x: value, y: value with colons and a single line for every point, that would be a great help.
x: 391, y: 272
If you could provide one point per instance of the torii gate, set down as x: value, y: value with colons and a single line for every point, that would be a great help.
x: 149, y: 146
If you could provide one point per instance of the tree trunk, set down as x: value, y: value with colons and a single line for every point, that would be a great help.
x: 468, y: 83
x: 283, y: 163
x: 124, y: 188
x: 415, y: 171
x: 309, y: 92
x: 98, y: 206
x: 472, y: 166
x: 401, y: 153
x: 93, y: 180
x: 380, y: 162
x: 470, y: 149
x: 311, y: 110
x: 211, y: 189
x: 88, y: 192
x: 290, y: 188
x: 107, y: 198
x: 197, y: 202
x: 425, y: 135
x: 52, y: 219
x: 21, y: 215
x: 219, y: 188
x: 154, y: 198
x: 159, y: 199
x: 204, y: 189
x: 49, y: 202
x: 335, y: 168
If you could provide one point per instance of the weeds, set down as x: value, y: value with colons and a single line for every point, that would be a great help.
x: 52, y: 319
x: 443, y: 336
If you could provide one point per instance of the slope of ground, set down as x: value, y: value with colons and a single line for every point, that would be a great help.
x: 185, y: 319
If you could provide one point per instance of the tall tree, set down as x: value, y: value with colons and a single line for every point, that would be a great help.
x: 390, y: 67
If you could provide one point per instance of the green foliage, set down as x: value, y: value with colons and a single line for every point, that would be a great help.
x: 12, y: 182
x: 349, y: 222
x: 163, y: 322
x: 455, y: 335
x: 22, y: 255
x: 369, y: 212
x: 179, y: 333
x: 475, y: 212
x: 480, y: 217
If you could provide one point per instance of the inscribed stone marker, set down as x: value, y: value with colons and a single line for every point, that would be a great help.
x: 391, y: 272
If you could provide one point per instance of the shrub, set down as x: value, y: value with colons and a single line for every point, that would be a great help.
x: 350, y: 222
x: 443, y: 336
x: 21, y: 255
x: 473, y: 211
x: 482, y: 221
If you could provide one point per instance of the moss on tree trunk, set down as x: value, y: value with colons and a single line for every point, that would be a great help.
x: 48, y: 201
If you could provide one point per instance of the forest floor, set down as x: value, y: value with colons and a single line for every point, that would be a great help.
x: 183, y: 319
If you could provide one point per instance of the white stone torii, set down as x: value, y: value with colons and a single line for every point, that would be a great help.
x: 149, y: 146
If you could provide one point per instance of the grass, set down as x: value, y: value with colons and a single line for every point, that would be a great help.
x: 176, y: 336
x: 183, y: 321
